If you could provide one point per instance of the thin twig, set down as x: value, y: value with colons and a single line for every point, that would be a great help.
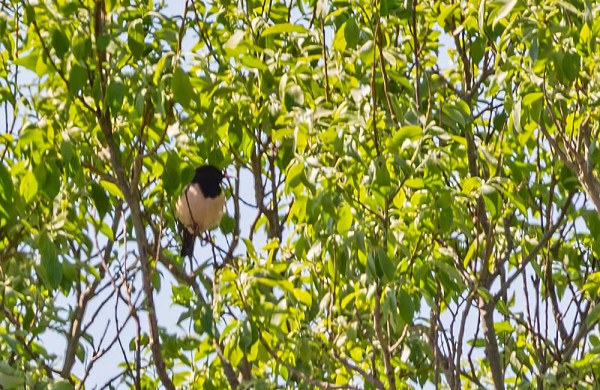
x: 324, y: 53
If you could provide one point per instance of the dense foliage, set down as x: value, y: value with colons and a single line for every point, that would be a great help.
x: 416, y: 203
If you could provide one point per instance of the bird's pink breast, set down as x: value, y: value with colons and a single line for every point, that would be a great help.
x: 206, y: 213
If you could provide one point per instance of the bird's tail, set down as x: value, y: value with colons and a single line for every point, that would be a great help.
x: 187, y: 244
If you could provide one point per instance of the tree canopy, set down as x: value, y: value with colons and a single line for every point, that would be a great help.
x: 416, y: 202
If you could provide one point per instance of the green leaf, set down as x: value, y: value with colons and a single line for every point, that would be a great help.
x: 11, y: 380
x: 101, y: 200
x: 585, y: 34
x: 162, y: 63
x: 300, y: 139
x: 406, y: 307
x: 478, y: 50
x: 534, y: 50
x: 183, y: 92
x: 294, y: 97
x: 388, y: 7
x: 111, y: 4
x: 382, y: 176
x: 412, y: 132
x: 50, y: 263
x: 29, y: 13
x: 60, y: 43
x: 40, y: 175
x: 385, y: 265
x: 172, y: 173
x: 250, y: 248
x: 322, y: 9
x: 227, y: 224
x: 169, y: 35
x: 234, y: 40
x: 253, y: 62
x: 415, y: 183
x: 453, y: 117
x: 206, y: 320
x: 81, y: 47
x: 284, y: 28
x: 29, y: 186
x: 294, y: 176
x: 246, y: 336
x: 445, y: 11
x: 51, y: 185
x: 340, y: 42
x: 112, y: 189
x: 507, y: 6
x: 351, y: 33
x: 6, y: 184
x: 470, y: 184
x: 344, y: 220
x: 503, y: 327
x: 571, y: 64
x: 61, y: 385
x: 470, y: 253
x: 531, y: 98
x: 390, y: 310
x: 30, y: 61
x: 303, y: 296
x: 593, y: 316
x: 77, y: 78
x: 115, y: 94
x: 135, y: 38
x: 69, y: 272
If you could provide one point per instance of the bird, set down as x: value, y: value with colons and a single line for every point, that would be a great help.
x: 201, y: 206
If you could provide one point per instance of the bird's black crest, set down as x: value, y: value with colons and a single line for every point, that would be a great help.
x: 209, y: 178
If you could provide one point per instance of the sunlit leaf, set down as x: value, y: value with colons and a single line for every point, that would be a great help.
x: 29, y: 186
x: 505, y: 9
x: 344, y: 221
x: 253, y: 62
x: 412, y: 133
x: 284, y: 28
x: 303, y: 296
x: 112, y: 189
x: 531, y: 98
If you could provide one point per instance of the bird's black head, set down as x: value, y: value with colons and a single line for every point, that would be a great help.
x: 209, y: 178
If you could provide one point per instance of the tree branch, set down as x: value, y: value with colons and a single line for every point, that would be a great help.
x: 389, y: 369
x: 133, y: 201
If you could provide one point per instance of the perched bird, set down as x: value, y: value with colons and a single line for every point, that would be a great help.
x: 201, y: 206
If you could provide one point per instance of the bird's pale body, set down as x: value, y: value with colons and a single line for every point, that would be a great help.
x: 197, y: 212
